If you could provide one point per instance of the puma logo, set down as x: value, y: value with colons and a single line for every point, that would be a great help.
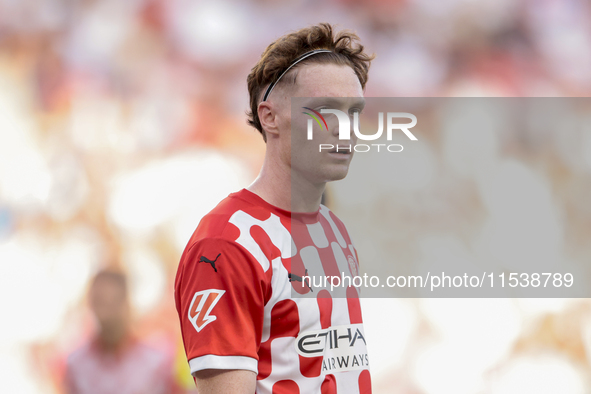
x: 204, y: 259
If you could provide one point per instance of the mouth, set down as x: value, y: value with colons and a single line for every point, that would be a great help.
x: 342, y: 150
x: 342, y: 154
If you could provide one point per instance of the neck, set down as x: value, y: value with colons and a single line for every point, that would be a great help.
x: 279, y: 187
x: 111, y: 338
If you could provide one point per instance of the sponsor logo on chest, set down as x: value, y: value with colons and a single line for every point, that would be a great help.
x: 343, y: 348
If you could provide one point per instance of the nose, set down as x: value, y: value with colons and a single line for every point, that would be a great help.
x: 334, y: 127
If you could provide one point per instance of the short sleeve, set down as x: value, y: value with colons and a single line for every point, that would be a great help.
x: 220, y: 293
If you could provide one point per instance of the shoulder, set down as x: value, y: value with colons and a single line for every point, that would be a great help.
x: 246, y: 222
x: 215, y: 223
x: 334, y: 221
x: 79, y: 356
x: 234, y: 214
x: 325, y: 211
x: 242, y: 228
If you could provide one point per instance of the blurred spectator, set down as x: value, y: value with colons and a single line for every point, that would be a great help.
x: 114, y: 361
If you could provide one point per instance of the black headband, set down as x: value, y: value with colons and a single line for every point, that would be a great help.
x: 296, y: 61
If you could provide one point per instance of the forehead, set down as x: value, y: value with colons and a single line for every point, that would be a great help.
x: 327, y: 80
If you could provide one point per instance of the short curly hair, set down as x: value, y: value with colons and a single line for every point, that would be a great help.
x: 345, y: 50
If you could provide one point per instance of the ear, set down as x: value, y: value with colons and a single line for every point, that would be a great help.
x: 268, y: 118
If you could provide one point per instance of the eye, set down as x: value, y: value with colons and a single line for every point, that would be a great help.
x: 319, y: 110
x: 354, y: 111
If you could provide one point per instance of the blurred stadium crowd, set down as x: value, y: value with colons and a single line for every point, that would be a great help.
x: 123, y: 122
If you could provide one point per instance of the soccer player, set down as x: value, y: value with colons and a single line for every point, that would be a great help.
x: 242, y: 329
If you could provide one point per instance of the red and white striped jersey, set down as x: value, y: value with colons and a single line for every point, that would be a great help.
x: 135, y: 368
x: 235, y: 295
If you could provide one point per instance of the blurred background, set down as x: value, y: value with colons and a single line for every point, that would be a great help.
x: 123, y: 123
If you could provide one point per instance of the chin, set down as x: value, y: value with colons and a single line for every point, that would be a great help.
x: 336, y: 175
x: 327, y: 174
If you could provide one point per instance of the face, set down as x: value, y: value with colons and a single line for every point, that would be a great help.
x: 321, y: 86
x: 108, y: 303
